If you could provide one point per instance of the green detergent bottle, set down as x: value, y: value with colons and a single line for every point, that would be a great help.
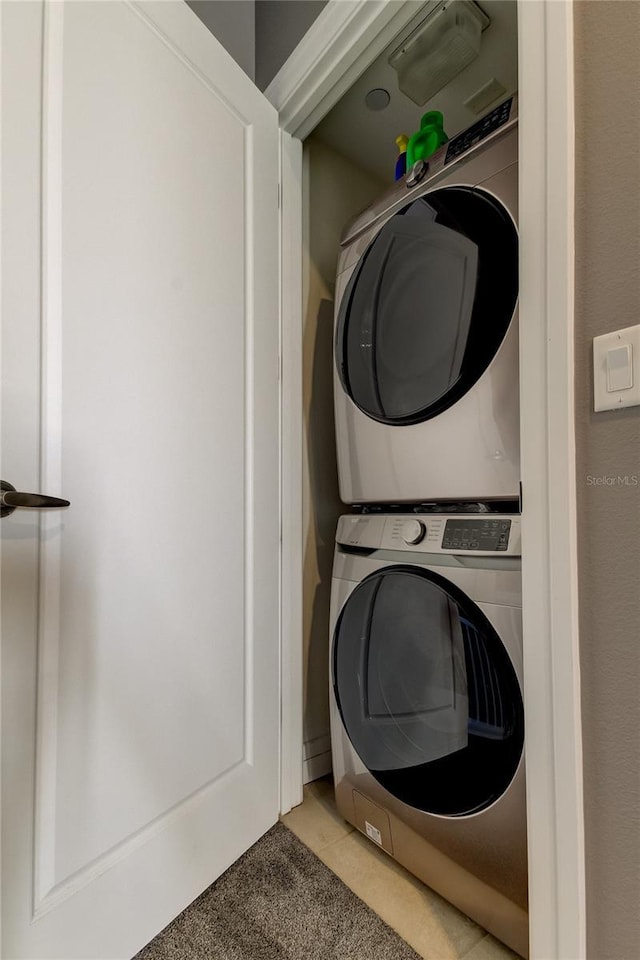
x: 428, y: 138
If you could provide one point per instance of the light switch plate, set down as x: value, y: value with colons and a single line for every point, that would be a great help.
x: 608, y: 355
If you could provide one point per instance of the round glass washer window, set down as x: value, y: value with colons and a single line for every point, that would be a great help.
x: 428, y: 305
x: 427, y: 692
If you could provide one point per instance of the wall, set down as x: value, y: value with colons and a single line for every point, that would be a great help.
x: 259, y: 34
x: 280, y: 25
x: 608, y: 445
x: 334, y: 191
x: 232, y: 22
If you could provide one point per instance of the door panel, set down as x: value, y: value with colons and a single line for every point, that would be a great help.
x: 428, y: 305
x: 427, y: 692
x: 141, y: 757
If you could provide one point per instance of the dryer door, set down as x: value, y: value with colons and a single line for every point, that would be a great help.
x: 428, y: 305
x: 427, y: 692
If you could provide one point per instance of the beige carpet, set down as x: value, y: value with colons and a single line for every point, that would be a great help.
x: 278, y: 902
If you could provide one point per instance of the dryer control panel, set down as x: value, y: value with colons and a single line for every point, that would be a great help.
x: 479, y: 534
x: 479, y: 131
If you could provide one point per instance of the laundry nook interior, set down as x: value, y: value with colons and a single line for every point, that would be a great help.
x: 412, y: 585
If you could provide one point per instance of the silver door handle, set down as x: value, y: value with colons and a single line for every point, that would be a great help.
x: 10, y: 498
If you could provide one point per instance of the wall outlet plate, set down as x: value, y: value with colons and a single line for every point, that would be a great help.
x: 616, y: 369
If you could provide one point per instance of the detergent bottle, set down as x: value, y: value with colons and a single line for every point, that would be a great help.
x: 428, y: 138
x: 401, y: 162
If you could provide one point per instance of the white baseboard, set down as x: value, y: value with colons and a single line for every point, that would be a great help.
x: 316, y: 767
x: 316, y: 758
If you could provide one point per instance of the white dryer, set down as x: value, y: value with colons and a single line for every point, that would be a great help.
x: 426, y: 332
x: 427, y: 720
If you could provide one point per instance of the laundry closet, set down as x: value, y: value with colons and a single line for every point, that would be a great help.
x: 349, y: 167
x: 349, y: 162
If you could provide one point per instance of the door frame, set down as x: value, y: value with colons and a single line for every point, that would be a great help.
x: 340, y: 44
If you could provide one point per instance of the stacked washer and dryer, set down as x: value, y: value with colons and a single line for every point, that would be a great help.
x: 427, y: 722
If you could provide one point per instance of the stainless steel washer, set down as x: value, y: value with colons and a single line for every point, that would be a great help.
x: 427, y: 719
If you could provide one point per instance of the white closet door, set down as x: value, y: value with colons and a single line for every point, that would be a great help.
x: 140, y: 695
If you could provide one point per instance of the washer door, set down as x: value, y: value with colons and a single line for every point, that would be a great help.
x: 428, y: 305
x: 427, y: 692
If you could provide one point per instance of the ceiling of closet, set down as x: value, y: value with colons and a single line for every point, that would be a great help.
x: 367, y: 137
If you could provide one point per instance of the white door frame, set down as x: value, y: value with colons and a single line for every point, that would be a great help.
x: 344, y: 39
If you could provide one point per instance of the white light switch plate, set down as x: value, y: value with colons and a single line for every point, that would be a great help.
x: 610, y: 370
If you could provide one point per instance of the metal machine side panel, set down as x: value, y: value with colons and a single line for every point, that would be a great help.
x: 471, y: 451
x: 493, y: 587
x: 492, y: 844
x: 502, y: 915
x: 496, y: 174
x: 501, y: 160
x: 504, y: 617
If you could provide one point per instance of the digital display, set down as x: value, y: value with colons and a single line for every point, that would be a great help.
x: 478, y: 131
x: 489, y: 535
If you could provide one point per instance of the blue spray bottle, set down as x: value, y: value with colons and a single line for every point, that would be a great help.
x: 401, y: 162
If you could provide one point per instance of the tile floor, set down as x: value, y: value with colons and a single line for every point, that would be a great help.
x: 435, y: 929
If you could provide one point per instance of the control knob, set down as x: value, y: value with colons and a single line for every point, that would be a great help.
x: 413, y: 531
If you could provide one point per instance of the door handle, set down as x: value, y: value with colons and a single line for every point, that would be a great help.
x: 10, y: 498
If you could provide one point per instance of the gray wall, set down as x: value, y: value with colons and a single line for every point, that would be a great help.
x: 259, y: 34
x: 608, y: 445
x: 232, y: 22
x: 280, y: 25
x: 335, y: 190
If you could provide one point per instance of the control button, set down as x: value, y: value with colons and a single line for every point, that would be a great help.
x: 413, y: 531
x: 416, y: 173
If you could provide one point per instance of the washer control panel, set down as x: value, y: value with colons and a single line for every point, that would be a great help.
x: 413, y: 531
x: 483, y: 534
x: 486, y: 535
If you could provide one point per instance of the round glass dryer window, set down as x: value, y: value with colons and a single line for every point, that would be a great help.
x: 427, y: 692
x: 428, y: 305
